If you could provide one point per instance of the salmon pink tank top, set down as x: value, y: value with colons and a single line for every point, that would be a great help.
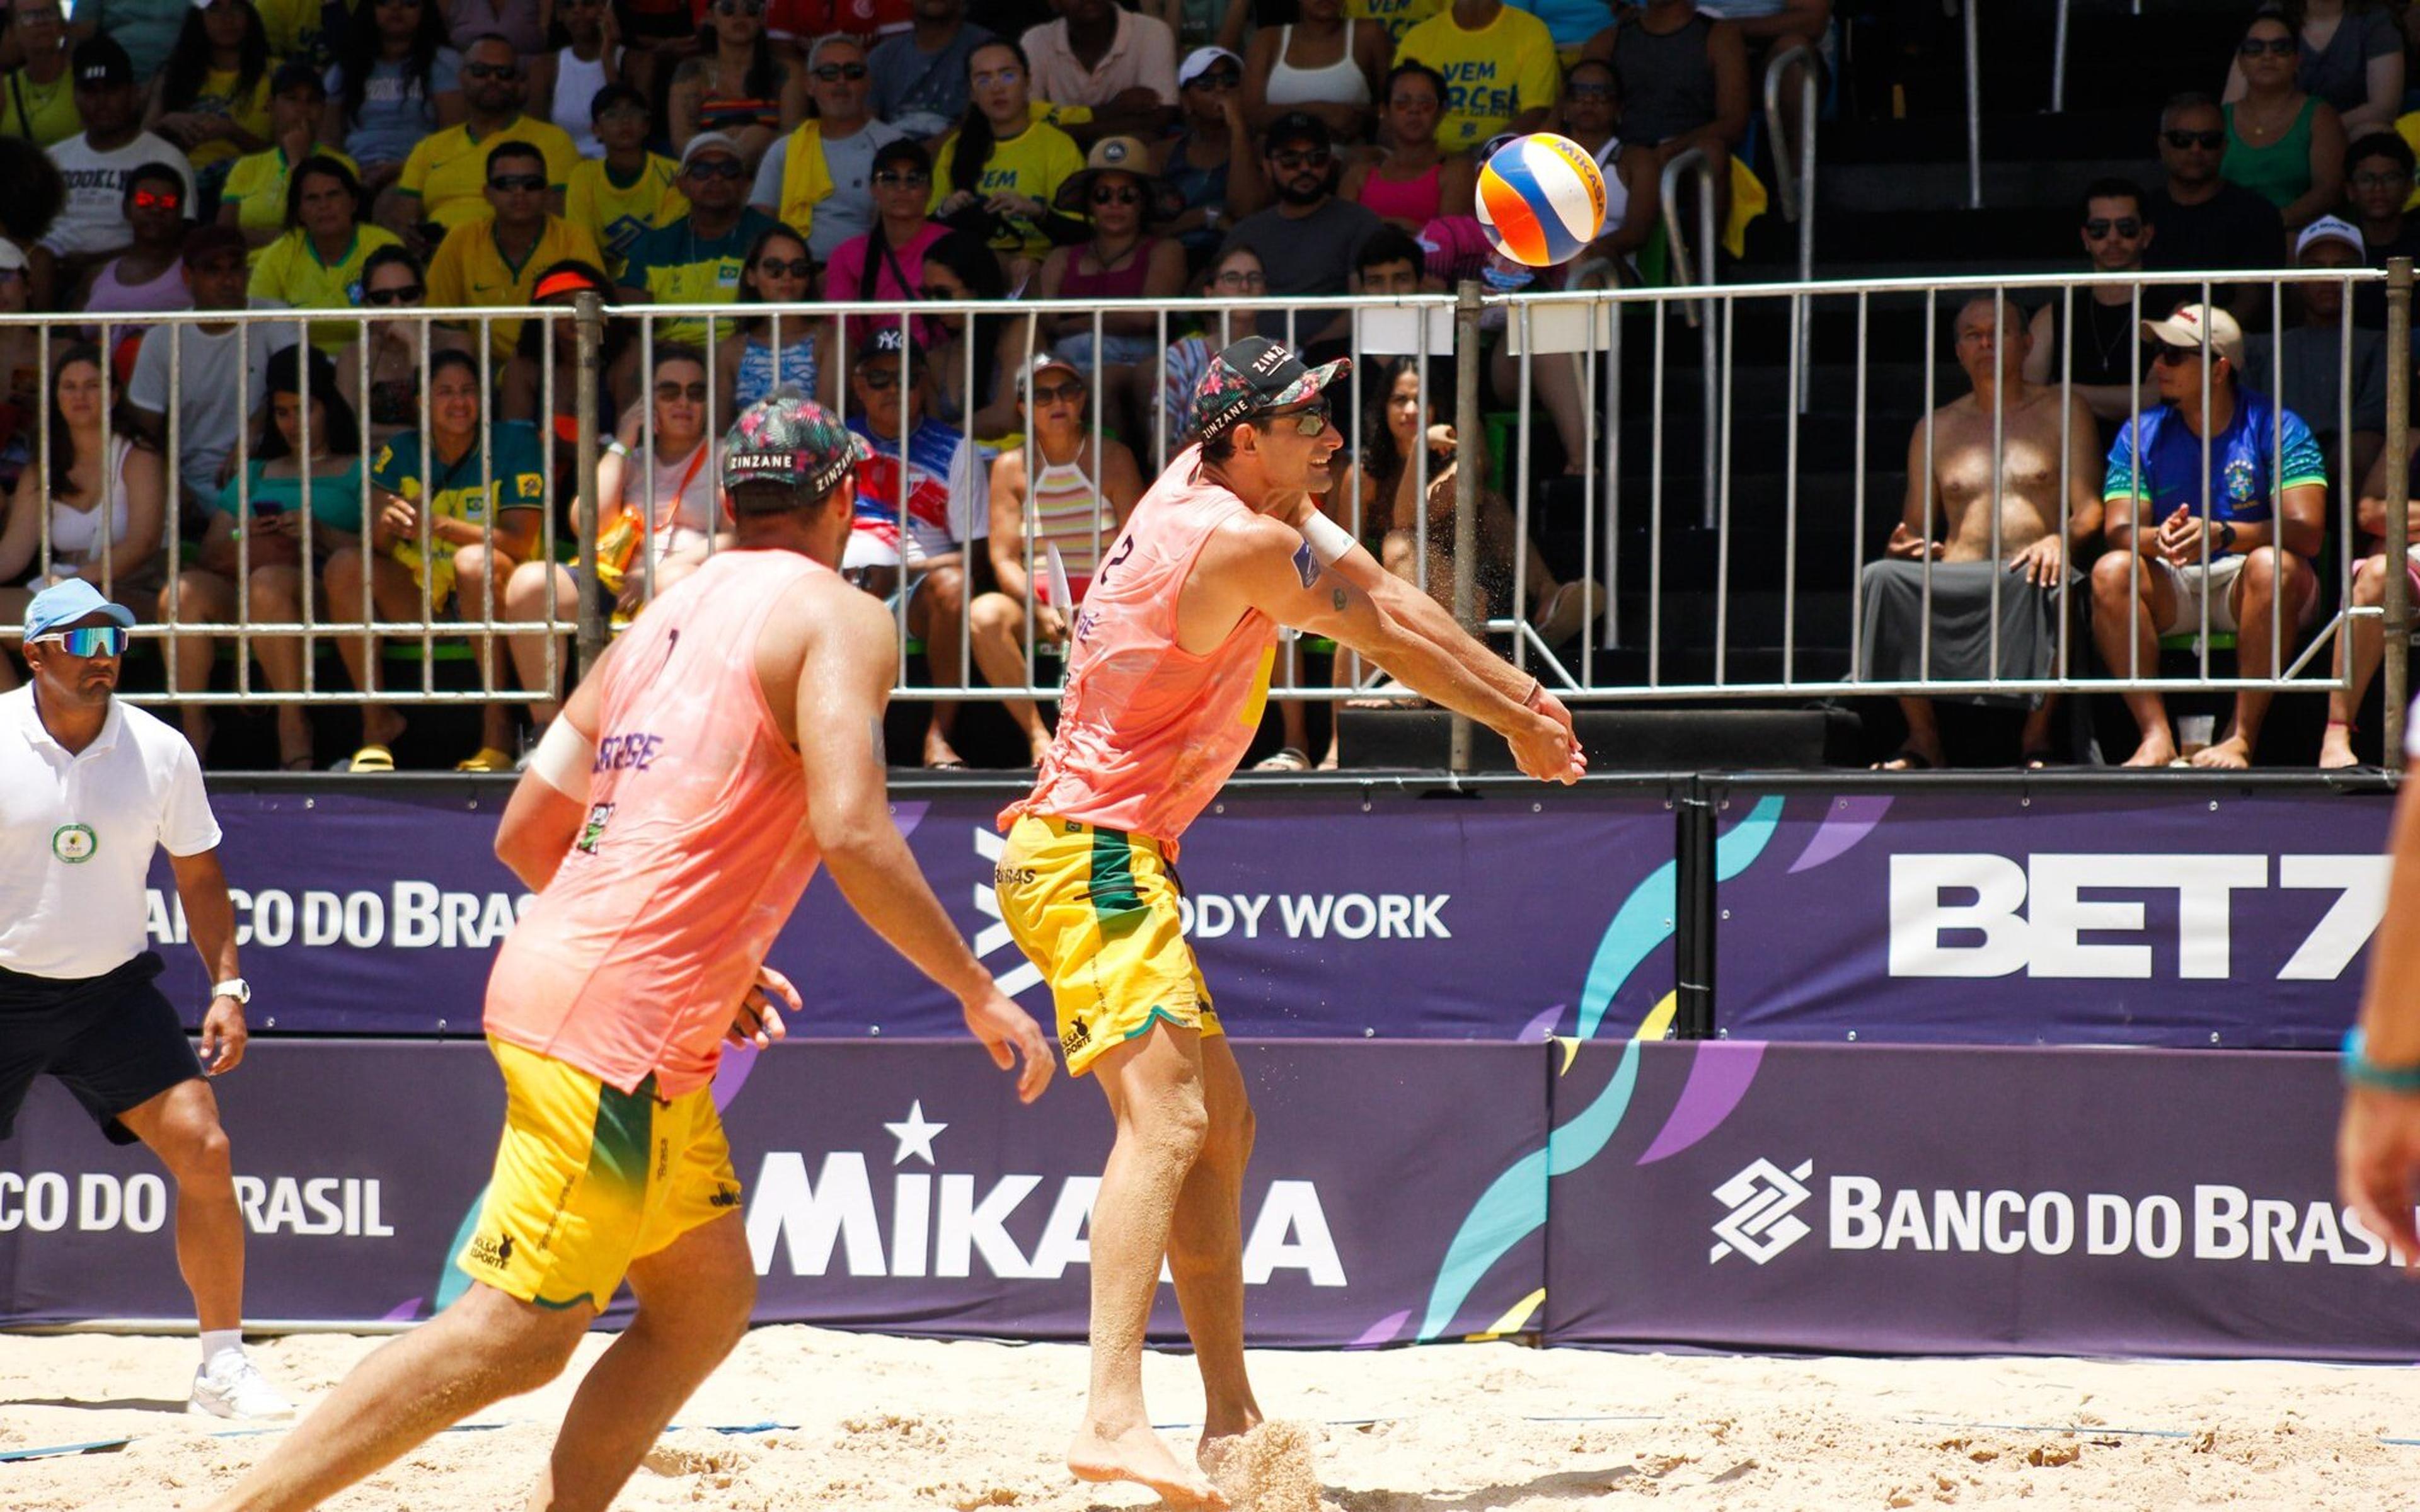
x: 1148, y: 732
x: 694, y: 848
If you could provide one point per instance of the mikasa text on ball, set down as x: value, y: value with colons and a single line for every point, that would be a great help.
x: 1541, y: 199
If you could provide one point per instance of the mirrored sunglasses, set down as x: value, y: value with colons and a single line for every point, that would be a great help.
x: 90, y: 641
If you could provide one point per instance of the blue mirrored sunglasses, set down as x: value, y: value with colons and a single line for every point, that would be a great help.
x: 92, y: 640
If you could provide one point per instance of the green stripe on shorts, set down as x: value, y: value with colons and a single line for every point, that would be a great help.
x: 1116, y: 907
x: 618, y: 1148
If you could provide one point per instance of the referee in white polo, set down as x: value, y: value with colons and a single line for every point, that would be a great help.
x: 88, y: 786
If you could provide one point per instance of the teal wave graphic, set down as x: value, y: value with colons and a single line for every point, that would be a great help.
x: 1514, y: 1204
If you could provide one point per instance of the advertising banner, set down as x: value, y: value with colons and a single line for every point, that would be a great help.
x: 895, y: 1185
x: 1906, y: 1200
x: 2046, y: 914
x: 1340, y: 914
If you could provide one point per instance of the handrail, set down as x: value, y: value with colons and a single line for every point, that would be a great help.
x: 1687, y: 274
x: 1975, y: 111
x: 1797, y: 195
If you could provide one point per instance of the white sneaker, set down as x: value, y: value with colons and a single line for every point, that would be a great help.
x: 234, y: 1388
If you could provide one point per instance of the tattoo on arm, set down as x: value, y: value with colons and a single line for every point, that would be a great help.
x: 1338, y: 600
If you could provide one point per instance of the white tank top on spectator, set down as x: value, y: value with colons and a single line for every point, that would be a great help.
x: 575, y: 85
x: 684, y: 498
x: 1341, y: 83
x: 76, y: 533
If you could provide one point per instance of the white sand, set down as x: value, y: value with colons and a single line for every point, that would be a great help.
x: 883, y: 1422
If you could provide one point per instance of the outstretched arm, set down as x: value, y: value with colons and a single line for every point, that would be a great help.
x: 842, y: 687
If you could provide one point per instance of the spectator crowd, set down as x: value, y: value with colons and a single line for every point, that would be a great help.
x: 763, y: 158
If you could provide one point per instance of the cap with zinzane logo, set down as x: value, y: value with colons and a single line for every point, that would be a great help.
x: 1253, y: 377
x: 787, y: 437
x: 2184, y: 329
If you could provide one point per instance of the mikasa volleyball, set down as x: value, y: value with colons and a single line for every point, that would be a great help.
x: 1541, y: 199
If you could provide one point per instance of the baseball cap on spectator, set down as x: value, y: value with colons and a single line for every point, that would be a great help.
x: 708, y: 141
x: 294, y: 75
x: 1296, y: 126
x: 2331, y: 228
x: 616, y: 94
x: 67, y: 602
x: 2184, y: 329
x: 787, y: 437
x: 1201, y: 61
x: 209, y: 237
x: 884, y: 341
x: 1253, y: 377
x: 100, y: 63
x: 1043, y: 362
x: 12, y: 257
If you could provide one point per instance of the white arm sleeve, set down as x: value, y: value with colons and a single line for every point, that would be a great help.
x: 562, y: 759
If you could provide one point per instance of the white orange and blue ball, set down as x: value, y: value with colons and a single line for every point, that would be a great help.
x: 1541, y: 199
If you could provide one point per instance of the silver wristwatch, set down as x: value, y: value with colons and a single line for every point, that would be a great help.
x: 235, y: 987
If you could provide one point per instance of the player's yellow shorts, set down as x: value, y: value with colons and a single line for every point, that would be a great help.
x: 590, y: 1177
x: 1096, y: 910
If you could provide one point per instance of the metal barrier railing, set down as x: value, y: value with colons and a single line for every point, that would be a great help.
x: 1795, y: 191
x: 1681, y: 637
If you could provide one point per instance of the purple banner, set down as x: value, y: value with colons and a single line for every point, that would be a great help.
x: 2188, y: 916
x: 1903, y: 1199
x: 1348, y: 914
x: 894, y: 1185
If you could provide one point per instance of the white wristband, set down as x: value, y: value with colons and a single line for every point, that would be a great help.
x: 563, y: 758
x: 1329, y: 539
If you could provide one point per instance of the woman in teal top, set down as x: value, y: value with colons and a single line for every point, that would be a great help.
x: 264, y: 543
x: 2283, y: 144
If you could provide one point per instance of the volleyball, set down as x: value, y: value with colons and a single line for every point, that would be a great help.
x: 1541, y: 199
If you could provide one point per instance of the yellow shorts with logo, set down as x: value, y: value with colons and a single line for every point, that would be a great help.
x: 590, y: 1177
x: 1096, y: 910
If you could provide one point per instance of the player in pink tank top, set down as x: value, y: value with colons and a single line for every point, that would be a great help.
x: 1167, y: 678
x: 668, y: 822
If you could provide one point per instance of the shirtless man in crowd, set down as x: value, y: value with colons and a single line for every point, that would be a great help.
x: 2031, y: 565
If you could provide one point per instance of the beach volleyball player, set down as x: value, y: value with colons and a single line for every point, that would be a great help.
x: 1173, y: 648
x: 671, y: 818
x: 2378, y: 1144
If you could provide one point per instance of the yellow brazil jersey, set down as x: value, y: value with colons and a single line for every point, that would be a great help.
x: 255, y: 186
x: 470, y: 269
x: 618, y: 214
x: 291, y: 272
x: 510, y: 476
x: 1033, y: 163
x: 295, y: 33
x: 1049, y: 113
x: 676, y: 266
x: 1397, y: 16
x: 248, y: 109
x: 448, y: 169
x: 45, y: 114
x: 1491, y: 75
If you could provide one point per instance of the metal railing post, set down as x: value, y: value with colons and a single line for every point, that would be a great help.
x: 1796, y: 191
x: 1470, y: 426
x: 2058, y: 60
x: 1974, y: 113
x: 588, y: 316
x: 1687, y: 273
x: 2398, y: 504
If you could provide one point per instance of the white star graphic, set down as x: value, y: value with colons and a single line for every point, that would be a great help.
x: 915, y: 1136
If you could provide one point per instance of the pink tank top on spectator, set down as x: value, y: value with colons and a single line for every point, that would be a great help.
x: 695, y: 849
x: 1148, y: 732
x: 850, y: 278
x: 1415, y: 200
x: 1125, y: 283
x: 113, y: 296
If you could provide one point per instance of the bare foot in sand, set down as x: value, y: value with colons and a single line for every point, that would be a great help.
x: 2335, y: 747
x: 2233, y: 754
x: 2159, y: 748
x: 1138, y: 1455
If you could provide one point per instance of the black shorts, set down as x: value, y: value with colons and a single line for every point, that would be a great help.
x: 113, y: 1040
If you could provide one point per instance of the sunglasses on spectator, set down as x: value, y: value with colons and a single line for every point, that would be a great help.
x: 788, y: 267
x: 92, y: 640
x: 491, y: 70
x: 1243, y: 278
x: 834, y: 72
x: 1306, y: 157
x: 2274, y: 47
x: 673, y: 392
x: 1589, y: 91
x: 880, y: 379
x: 2173, y: 355
x: 738, y: 7
x: 1310, y: 421
x: 158, y: 199
x: 2125, y: 225
x: 1218, y: 79
x: 1059, y: 394
x: 1116, y: 195
x: 510, y: 183
x: 407, y: 294
x: 398, y: 5
x: 2396, y: 178
x: 2207, y: 141
x: 902, y: 178
x: 985, y: 79
x: 718, y: 167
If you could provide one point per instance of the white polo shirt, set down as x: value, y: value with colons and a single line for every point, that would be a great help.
x: 77, y: 832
